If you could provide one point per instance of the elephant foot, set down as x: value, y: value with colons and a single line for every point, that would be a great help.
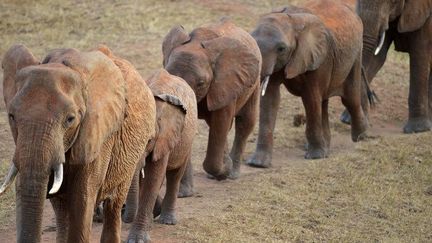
x: 315, y: 153
x: 167, y: 218
x: 345, y: 117
x: 216, y: 172
x: 217, y: 177
x: 355, y: 137
x: 138, y: 238
x: 235, y: 173
x: 260, y: 159
x: 415, y: 125
x: 185, y: 190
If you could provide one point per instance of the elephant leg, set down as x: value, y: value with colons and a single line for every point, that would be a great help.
x: 352, y: 100
x: 316, y: 148
x: 269, y: 106
x: 186, y: 184
x: 132, y: 198
x: 418, y: 101
x: 215, y: 162
x: 60, y: 210
x: 81, y: 208
x: 168, y: 204
x: 244, y: 125
x: 326, y: 125
x: 112, y: 218
x: 149, y: 189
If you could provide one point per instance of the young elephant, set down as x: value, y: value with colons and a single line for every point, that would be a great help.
x: 221, y: 63
x: 83, y: 119
x: 314, y: 55
x: 168, y: 153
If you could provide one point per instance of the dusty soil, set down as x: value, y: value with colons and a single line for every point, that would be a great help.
x: 369, y: 191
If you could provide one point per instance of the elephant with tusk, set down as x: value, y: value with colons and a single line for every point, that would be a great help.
x: 315, y: 56
x: 80, y: 121
x: 408, y: 25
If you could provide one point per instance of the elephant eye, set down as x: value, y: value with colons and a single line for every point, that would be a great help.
x: 11, y: 117
x: 70, y: 119
x: 201, y: 82
x: 281, y: 49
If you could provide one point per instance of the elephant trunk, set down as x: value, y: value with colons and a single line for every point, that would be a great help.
x: 37, y: 156
x: 369, y: 47
x: 30, y: 197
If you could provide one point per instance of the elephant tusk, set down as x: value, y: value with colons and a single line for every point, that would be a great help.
x: 381, y: 43
x: 58, y: 178
x: 264, y: 86
x: 13, y: 171
x: 142, y: 172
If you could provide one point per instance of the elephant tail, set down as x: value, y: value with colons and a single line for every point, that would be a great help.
x: 372, y: 97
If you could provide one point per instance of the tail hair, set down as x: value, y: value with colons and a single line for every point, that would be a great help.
x: 372, y: 96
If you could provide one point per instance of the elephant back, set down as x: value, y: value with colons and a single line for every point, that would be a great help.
x: 176, y: 91
x: 225, y: 28
x: 347, y: 34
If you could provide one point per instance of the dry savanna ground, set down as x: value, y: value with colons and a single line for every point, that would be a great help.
x: 377, y: 190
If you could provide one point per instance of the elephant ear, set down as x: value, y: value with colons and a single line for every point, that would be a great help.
x: 16, y: 58
x: 170, y: 122
x: 236, y: 68
x: 312, y: 45
x: 414, y: 15
x: 176, y: 37
x: 104, y: 91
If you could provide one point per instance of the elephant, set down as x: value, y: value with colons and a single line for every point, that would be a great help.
x: 407, y: 24
x: 222, y: 63
x: 80, y: 122
x: 315, y: 56
x: 169, y: 154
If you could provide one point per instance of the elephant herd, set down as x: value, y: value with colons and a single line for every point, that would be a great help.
x: 89, y: 129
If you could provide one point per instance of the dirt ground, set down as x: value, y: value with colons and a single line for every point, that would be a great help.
x: 378, y: 190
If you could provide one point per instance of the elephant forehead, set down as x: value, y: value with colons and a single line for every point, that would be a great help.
x: 54, y: 77
x: 45, y: 88
x: 188, y: 61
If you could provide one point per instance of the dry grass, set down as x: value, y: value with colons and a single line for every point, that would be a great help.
x: 378, y: 193
x: 372, y: 191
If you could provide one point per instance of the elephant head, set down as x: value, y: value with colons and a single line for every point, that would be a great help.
x: 407, y: 15
x: 218, y: 68
x: 291, y: 39
x: 60, y: 112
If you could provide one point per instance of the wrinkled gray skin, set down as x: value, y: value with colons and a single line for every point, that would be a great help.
x: 407, y: 24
